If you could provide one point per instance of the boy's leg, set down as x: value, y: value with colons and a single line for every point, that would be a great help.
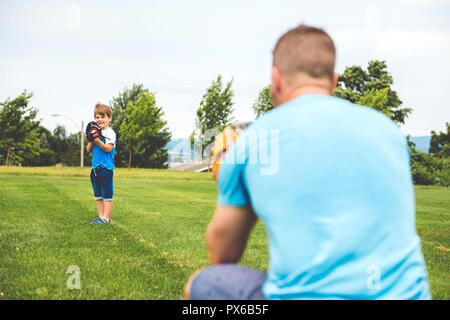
x: 96, y: 186
x: 107, y: 208
x: 100, y: 208
x: 226, y: 282
x: 107, y: 191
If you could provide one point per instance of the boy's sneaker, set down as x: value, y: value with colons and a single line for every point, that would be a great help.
x: 100, y: 220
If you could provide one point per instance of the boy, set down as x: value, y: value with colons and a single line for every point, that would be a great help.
x: 103, y: 148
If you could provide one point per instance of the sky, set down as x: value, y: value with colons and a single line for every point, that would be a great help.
x: 73, y: 54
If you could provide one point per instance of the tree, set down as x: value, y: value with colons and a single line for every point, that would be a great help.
x: 427, y: 169
x: 144, y: 132
x: 17, y: 124
x: 118, y: 106
x: 378, y: 100
x: 49, y: 149
x: 213, y: 115
x: 264, y: 102
x: 372, y: 88
x: 45, y: 156
x: 440, y: 143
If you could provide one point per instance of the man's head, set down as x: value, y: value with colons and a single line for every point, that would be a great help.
x: 102, y: 115
x: 303, y: 58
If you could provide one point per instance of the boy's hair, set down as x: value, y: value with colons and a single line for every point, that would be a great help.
x: 103, y: 110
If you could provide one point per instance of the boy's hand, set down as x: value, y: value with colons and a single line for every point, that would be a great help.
x: 90, y: 132
x: 93, y: 134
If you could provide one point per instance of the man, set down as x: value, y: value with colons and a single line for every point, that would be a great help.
x: 339, y: 206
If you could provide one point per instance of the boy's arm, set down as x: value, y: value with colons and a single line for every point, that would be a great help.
x: 105, y: 147
x: 90, y: 146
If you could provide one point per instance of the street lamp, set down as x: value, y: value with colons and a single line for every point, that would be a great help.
x: 81, y: 135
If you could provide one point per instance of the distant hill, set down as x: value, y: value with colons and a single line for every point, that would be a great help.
x: 181, y: 147
x: 422, y: 143
x: 173, y: 143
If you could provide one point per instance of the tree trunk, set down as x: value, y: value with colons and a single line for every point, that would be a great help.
x: 129, y: 161
x: 7, y: 156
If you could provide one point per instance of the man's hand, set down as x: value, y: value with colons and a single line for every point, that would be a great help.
x: 228, y: 232
x: 222, y: 142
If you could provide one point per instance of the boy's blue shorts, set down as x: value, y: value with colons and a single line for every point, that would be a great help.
x: 228, y: 282
x: 102, y: 183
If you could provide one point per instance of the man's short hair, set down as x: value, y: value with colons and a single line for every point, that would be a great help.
x: 103, y: 110
x: 306, y: 50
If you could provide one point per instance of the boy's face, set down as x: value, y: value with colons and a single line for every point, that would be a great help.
x: 102, y: 120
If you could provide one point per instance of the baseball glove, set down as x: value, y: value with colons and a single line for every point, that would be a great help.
x: 222, y: 142
x: 93, y: 131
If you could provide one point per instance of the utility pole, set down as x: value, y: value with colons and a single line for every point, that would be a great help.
x: 82, y: 144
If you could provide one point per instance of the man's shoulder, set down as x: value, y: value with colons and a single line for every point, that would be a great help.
x: 319, y: 115
x: 317, y: 106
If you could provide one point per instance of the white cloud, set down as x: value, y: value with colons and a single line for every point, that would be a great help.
x: 419, y: 63
x: 426, y: 3
x: 177, y: 49
x: 394, y: 43
x: 423, y: 44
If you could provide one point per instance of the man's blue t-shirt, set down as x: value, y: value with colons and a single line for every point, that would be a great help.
x: 102, y: 158
x: 331, y: 181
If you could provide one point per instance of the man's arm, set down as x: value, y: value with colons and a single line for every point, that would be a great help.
x: 105, y: 147
x: 228, y: 232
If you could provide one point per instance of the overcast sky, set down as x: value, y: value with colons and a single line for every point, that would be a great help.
x: 73, y: 54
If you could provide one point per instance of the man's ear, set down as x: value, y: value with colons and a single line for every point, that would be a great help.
x: 275, y: 87
x: 276, y: 79
x: 334, y: 81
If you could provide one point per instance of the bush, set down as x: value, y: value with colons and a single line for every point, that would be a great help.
x: 427, y: 169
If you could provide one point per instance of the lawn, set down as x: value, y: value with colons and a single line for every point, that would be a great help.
x: 156, y: 241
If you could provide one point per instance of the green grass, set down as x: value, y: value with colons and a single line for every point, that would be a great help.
x: 156, y: 241
x: 433, y: 226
